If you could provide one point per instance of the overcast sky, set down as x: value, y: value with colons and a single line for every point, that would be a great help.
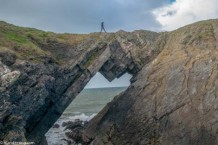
x: 85, y: 16
x: 82, y: 16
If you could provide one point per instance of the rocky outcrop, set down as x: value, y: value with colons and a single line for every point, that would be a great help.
x: 172, y: 98
x: 75, y: 131
x: 42, y: 91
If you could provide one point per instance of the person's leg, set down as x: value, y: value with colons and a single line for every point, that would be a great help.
x: 104, y: 30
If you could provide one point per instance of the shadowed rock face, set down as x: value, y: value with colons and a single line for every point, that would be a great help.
x: 172, y: 98
x: 32, y: 103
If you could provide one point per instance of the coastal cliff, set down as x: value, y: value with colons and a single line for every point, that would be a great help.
x: 172, y: 98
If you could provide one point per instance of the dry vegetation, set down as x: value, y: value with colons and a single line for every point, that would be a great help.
x: 27, y: 43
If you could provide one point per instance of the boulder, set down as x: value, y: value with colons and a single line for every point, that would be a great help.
x: 8, y: 58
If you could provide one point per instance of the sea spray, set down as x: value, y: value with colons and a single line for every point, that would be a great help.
x: 56, y: 135
x: 86, y: 105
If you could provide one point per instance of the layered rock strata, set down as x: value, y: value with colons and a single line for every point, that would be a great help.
x: 172, y: 98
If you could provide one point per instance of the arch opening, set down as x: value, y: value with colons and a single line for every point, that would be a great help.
x: 90, y: 101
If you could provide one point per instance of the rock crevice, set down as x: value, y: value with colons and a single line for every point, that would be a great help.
x: 172, y: 98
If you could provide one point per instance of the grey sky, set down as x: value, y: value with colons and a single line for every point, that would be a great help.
x: 85, y: 16
x: 99, y: 81
x: 81, y: 16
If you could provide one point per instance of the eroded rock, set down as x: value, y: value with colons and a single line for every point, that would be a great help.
x: 7, y: 58
x: 172, y: 98
x: 74, y: 131
x: 7, y: 77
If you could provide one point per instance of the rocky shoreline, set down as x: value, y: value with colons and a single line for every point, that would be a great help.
x: 172, y: 98
x: 75, y: 132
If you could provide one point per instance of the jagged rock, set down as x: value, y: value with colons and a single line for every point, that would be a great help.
x: 172, y: 98
x: 14, y: 136
x: 56, y: 126
x: 3, y: 69
x: 75, y: 131
x: 73, y: 124
x: 7, y: 77
x: 8, y: 58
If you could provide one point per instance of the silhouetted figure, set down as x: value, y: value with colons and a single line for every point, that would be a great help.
x: 102, y: 27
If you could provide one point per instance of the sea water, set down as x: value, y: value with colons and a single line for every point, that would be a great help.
x: 84, y: 107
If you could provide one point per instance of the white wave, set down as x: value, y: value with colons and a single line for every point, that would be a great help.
x: 55, y: 135
x: 82, y: 117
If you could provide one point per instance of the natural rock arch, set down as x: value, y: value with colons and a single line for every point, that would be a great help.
x: 150, y: 111
x: 49, y: 89
x: 98, y: 59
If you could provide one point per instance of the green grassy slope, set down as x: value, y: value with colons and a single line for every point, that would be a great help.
x: 27, y: 43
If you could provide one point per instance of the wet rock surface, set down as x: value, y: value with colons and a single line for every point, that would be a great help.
x: 172, y: 98
x: 56, y: 126
x: 75, y: 131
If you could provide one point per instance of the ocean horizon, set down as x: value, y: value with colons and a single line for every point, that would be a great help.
x: 84, y: 107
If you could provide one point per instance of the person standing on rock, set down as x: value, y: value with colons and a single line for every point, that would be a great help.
x: 102, y: 27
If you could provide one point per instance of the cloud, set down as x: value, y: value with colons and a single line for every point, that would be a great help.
x: 84, y: 16
x: 81, y: 16
x: 183, y: 12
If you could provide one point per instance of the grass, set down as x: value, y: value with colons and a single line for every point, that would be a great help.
x: 12, y: 36
x: 90, y: 59
x: 71, y: 38
x: 17, y: 40
x: 195, y: 33
x: 27, y: 43
x: 206, y: 34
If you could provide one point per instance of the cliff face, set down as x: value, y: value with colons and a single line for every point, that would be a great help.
x: 172, y: 98
x: 51, y: 69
